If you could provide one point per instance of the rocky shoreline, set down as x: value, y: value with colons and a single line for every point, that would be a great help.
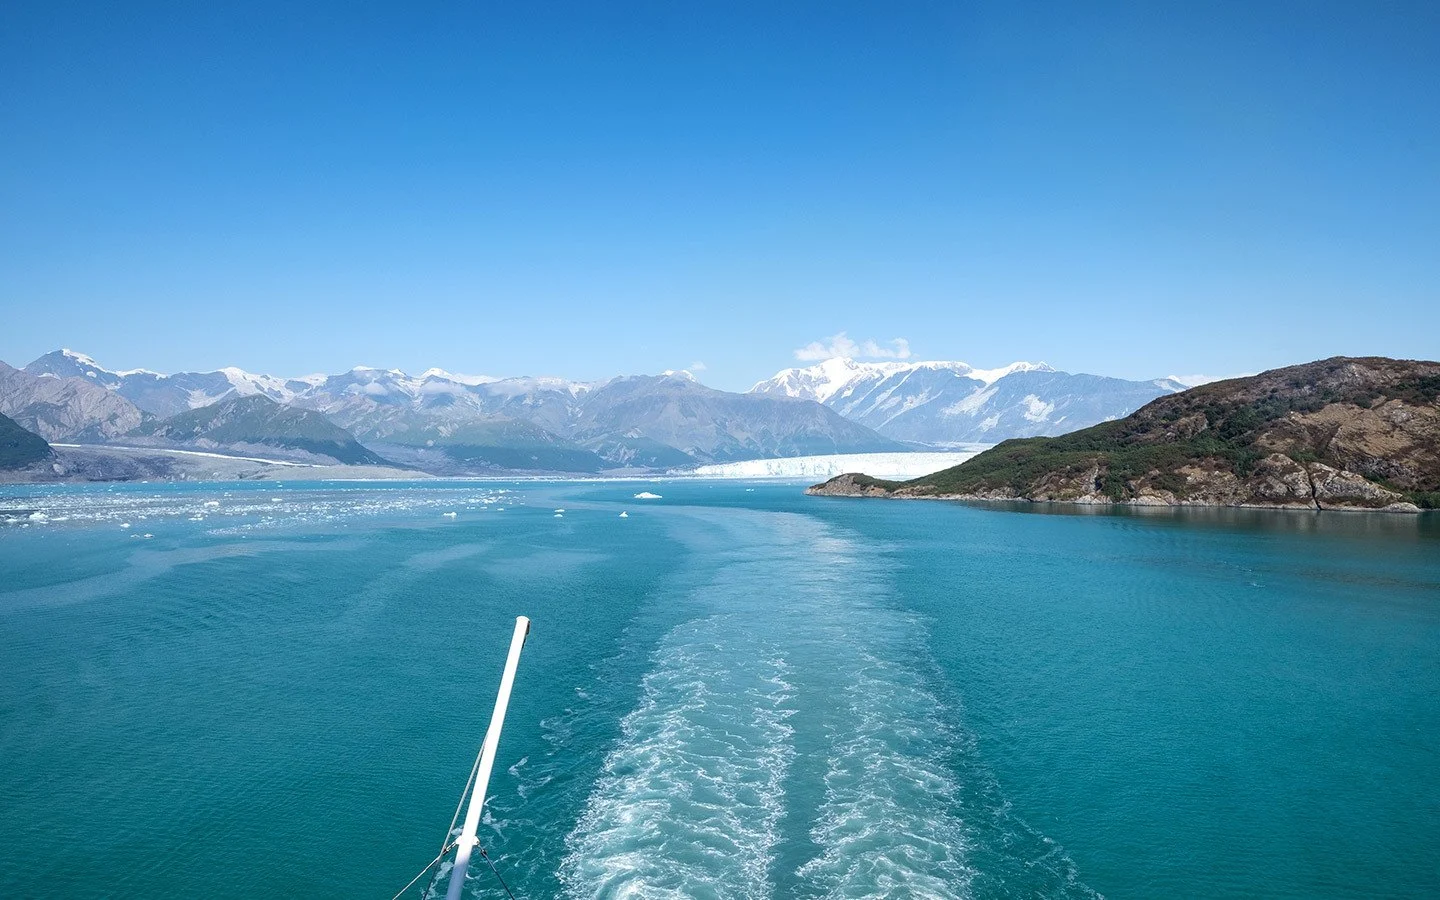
x: 1282, y: 484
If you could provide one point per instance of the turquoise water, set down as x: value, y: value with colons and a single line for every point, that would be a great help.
x: 735, y: 691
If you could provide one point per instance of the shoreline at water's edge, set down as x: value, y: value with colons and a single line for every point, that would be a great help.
x: 852, y: 485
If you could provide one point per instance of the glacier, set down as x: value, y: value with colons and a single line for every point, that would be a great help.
x: 894, y: 466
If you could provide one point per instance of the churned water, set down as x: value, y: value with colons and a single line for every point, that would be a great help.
x: 734, y: 691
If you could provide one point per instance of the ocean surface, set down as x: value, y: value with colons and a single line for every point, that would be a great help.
x: 733, y: 691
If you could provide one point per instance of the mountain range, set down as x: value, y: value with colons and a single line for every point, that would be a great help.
x: 941, y: 403
x: 453, y: 424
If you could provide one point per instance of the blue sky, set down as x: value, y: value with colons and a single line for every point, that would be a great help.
x: 584, y: 190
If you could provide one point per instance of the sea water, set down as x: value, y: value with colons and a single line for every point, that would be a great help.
x: 735, y: 691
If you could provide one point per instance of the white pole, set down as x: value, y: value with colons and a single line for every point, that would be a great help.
x: 487, y: 761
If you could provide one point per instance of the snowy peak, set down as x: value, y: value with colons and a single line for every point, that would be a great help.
x: 79, y: 359
x: 69, y: 364
x: 839, y: 376
x: 990, y: 376
x: 824, y: 380
x: 442, y: 375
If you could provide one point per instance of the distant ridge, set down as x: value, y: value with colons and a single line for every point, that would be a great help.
x: 472, y: 424
x: 949, y: 403
x: 259, y: 422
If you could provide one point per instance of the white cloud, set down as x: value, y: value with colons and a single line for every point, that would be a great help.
x: 841, y: 345
x: 697, y: 366
x: 1196, y: 380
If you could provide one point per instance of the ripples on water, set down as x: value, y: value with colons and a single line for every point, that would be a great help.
x: 742, y: 697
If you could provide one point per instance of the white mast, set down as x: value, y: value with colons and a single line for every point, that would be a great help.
x: 487, y: 761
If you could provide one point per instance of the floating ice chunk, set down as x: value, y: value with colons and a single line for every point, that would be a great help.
x: 124, y: 524
x: 624, y: 515
x: 148, y: 535
x: 274, y: 499
x: 646, y: 495
x: 212, y: 503
x: 448, y: 515
x: 560, y: 510
x: 559, y: 515
x: 197, y: 518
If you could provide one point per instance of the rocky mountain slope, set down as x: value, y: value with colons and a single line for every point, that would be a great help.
x: 256, y: 425
x: 953, y: 403
x: 1339, y: 433
x: 476, y: 445
x: 645, y: 419
x: 65, y: 409
x: 20, y: 448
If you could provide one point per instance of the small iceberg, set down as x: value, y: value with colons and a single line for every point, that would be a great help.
x: 448, y: 515
x: 559, y: 510
x: 212, y: 503
x: 559, y: 516
x: 624, y: 515
x: 124, y: 524
x: 646, y: 495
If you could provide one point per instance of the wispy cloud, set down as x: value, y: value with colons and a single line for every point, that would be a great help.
x: 697, y: 366
x: 841, y: 345
x: 1196, y: 380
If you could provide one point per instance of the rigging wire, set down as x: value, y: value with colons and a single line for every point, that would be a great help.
x: 418, y: 875
x: 446, y: 845
x: 497, y: 872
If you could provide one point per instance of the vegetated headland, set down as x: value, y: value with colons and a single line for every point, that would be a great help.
x: 1339, y: 433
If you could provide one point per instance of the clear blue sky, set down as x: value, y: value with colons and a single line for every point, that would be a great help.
x: 583, y: 190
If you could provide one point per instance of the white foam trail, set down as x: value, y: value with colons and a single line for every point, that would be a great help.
x: 691, y: 798
x: 889, y: 825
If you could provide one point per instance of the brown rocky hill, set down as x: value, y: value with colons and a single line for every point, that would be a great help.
x: 1338, y: 433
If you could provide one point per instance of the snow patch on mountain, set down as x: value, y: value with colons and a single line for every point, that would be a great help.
x: 1037, y: 410
x: 970, y: 405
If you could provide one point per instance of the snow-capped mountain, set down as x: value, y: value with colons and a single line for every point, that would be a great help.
x: 944, y: 403
x: 166, y: 395
x: 65, y: 409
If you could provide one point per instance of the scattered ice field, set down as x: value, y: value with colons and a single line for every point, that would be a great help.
x: 139, y: 508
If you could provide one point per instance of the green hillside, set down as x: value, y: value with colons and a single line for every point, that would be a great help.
x: 20, y: 448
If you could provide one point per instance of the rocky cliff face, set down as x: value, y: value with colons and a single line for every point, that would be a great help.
x: 1340, y: 433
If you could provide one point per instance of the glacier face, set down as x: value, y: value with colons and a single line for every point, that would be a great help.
x: 895, y: 466
x: 941, y: 403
